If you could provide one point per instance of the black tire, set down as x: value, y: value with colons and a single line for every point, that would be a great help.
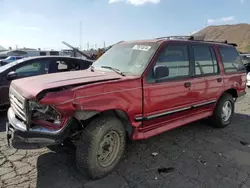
x: 248, y: 86
x: 216, y: 119
x: 87, y: 148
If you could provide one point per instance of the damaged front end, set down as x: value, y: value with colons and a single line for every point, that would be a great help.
x: 46, y: 115
x: 32, y: 125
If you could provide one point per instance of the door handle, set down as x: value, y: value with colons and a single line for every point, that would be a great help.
x: 187, y: 84
x: 219, y: 79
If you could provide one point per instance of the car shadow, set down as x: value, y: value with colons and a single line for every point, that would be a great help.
x: 58, y: 169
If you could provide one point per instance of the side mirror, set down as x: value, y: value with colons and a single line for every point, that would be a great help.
x: 161, y: 71
x: 11, y: 75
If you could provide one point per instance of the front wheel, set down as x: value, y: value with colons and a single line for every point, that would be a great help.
x: 223, y: 111
x: 101, y: 146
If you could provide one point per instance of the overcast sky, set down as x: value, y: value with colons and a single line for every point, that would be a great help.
x: 45, y: 23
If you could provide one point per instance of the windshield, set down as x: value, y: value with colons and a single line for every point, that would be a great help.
x: 129, y: 58
x: 7, y: 66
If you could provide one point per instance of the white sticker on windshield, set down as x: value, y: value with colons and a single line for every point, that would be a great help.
x: 141, y: 47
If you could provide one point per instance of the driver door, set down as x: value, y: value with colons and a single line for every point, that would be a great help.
x: 168, y: 99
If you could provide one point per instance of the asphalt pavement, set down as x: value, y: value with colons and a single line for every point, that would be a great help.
x: 195, y: 155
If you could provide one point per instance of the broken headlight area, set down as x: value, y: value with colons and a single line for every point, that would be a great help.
x: 43, y: 112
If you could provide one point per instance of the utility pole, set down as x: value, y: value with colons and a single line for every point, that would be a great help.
x: 87, y: 45
x: 80, y: 42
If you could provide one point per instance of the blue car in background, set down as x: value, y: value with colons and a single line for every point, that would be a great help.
x: 10, y: 59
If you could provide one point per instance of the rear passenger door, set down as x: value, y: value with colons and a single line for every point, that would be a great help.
x: 208, y: 83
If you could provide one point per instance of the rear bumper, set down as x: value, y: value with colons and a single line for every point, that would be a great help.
x: 20, y: 138
x: 241, y: 95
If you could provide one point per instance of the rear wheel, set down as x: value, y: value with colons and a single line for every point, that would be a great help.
x: 223, y: 111
x: 101, y: 146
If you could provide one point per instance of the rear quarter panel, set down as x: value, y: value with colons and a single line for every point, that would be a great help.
x: 235, y: 80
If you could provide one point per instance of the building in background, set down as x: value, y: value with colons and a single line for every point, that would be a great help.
x: 27, y: 52
x: 2, y: 49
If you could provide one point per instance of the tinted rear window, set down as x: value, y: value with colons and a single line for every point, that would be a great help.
x: 231, y: 59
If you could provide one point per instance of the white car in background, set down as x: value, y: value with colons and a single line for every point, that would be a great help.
x: 248, y: 79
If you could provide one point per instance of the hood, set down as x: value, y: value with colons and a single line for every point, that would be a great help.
x: 31, y: 86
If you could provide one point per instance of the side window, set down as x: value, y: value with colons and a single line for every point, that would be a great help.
x: 205, y: 60
x: 231, y: 59
x: 73, y: 65
x: 33, y: 68
x: 176, y: 59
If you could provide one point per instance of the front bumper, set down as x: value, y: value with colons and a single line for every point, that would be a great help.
x: 20, y: 138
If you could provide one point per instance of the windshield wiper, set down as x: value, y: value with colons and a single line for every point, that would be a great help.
x: 114, y: 69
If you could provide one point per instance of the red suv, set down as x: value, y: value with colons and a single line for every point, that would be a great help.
x: 136, y: 90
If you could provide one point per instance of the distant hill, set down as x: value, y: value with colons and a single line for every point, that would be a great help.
x: 238, y: 33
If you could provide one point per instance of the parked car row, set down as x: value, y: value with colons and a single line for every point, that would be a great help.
x: 9, y: 60
x: 135, y: 90
x: 34, y: 66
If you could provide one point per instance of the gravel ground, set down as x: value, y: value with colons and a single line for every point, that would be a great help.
x: 195, y: 155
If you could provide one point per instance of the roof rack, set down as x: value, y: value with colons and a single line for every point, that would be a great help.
x: 224, y: 41
x: 177, y: 37
x: 196, y: 38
